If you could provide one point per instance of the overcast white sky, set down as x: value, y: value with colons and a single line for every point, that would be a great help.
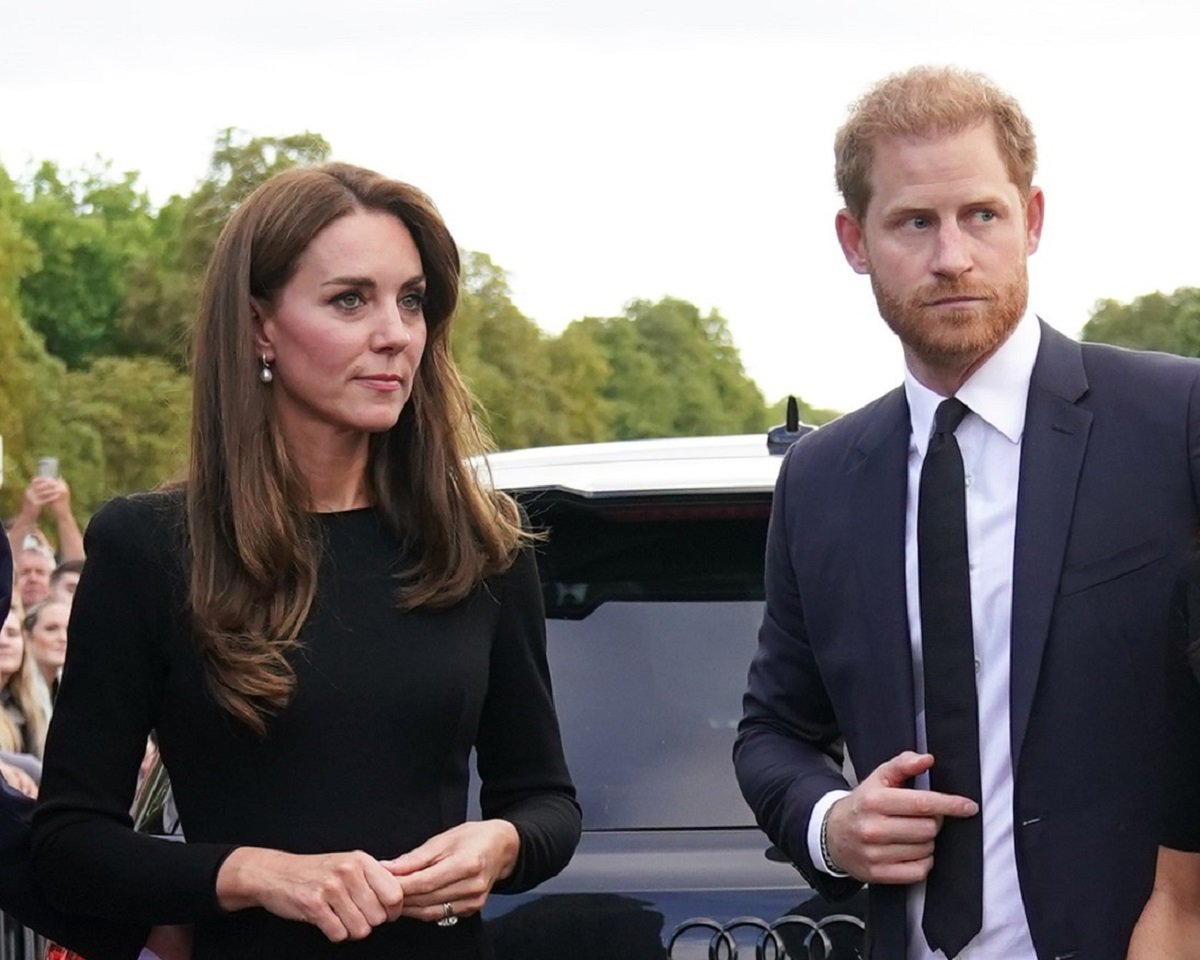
x: 601, y: 150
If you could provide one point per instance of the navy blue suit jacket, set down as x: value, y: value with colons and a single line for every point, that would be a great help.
x: 20, y: 895
x: 1106, y: 517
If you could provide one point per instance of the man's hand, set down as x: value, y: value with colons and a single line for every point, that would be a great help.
x: 883, y: 832
x: 458, y: 867
x: 60, y: 506
x: 345, y: 895
x: 42, y: 492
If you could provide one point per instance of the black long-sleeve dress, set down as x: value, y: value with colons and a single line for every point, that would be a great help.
x: 371, y: 754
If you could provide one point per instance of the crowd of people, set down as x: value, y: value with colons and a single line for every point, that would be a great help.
x: 33, y: 639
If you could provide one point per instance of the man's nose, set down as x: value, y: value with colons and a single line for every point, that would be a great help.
x: 952, y: 256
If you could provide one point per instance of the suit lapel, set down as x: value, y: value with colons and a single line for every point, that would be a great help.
x: 1052, y: 452
x: 878, y: 487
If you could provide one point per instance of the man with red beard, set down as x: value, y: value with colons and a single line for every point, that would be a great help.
x: 969, y: 581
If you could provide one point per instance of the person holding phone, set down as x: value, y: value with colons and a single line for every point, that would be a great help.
x: 320, y: 624
x: 47, y: 495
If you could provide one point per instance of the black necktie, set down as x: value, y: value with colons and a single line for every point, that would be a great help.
x: 954, y: 890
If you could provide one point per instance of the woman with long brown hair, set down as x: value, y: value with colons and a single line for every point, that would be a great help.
x: 321, y: 623
x: 22, y: 711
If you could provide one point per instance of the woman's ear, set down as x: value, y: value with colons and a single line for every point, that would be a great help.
x: 259, y: 314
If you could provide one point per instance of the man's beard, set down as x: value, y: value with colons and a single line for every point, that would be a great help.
x: 946, y: 338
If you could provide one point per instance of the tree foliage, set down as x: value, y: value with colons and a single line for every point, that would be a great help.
x: 671, y: 372
x: 1156, y: 321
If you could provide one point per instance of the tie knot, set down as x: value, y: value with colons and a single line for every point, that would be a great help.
x: 949, y: 415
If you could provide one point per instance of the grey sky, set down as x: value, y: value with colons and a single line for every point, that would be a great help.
x: 605, y: 151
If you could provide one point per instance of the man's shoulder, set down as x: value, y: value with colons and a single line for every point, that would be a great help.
x: 1105, y: 358
x: 850, y: 431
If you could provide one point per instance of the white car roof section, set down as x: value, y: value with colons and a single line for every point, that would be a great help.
x: 733, y: 464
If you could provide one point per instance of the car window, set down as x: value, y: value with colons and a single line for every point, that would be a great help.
x: 653, y: 608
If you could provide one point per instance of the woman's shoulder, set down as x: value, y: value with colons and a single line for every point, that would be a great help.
x: 138, y: 521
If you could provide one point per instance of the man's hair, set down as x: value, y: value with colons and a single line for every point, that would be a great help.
x: 67, y: 566
x: 253, y: 548
x: 929, y: 102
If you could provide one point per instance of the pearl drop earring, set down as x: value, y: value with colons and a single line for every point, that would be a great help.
x: 265, y: 374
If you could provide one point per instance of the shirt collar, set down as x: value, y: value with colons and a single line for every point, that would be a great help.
x: 997, y: 392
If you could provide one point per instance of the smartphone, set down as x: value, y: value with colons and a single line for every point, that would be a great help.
x: 48, y: 467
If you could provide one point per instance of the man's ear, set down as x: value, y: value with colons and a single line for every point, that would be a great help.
x: 852, y: 237
x: 1035, y: 213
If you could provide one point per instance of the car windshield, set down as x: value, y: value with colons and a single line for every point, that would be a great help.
x: 653, y: 607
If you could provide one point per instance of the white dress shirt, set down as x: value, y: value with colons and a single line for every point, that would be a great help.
x: 990, y: 439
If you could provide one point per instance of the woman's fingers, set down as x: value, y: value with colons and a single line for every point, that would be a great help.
x: 344, y: 895
x: 458, y: 867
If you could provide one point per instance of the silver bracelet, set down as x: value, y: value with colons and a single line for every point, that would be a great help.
x: 831, y: 868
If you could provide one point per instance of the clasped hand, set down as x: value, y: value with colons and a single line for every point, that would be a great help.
x: 458, y: 867
x: 883, y: 832
x: 347, y: 895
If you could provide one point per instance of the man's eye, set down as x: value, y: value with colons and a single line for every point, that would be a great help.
x: 920, y: 223
x: 412, y: 301
x: 985, y: 216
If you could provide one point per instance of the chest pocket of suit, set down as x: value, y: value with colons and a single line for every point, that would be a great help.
x: 1092, y: 573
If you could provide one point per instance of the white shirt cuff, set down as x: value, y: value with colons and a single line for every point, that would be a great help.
x: 820, y: 809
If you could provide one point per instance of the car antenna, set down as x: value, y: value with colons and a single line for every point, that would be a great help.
x: 783, y: 436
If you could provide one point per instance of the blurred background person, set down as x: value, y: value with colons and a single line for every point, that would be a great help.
x: 34, y: 564
x: 45, y: 629
x: 320, y: 624
x: 22, y: 717
x: 65, y: 579
x: 47, y: 498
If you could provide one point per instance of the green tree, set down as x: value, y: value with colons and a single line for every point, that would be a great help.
x: 520, y: 376
x: 131, y: 418
x: 23, y: 363
x: 88, y: 231
x: 672, y: 372
x: 1156, y: 321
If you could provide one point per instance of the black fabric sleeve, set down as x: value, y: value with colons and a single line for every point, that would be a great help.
x: 519, y: 749
x: 87, y: 855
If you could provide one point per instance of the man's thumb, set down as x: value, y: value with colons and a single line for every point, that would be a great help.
x: 902, y: 768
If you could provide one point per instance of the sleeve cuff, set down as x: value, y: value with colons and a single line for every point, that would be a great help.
x: 815, y: 821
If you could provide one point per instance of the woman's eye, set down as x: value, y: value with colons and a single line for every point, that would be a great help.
x: 412, y: 301
x: 350, y: 300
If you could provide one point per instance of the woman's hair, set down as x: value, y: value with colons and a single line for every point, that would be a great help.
x: 929, y: 102
x: 24, y: 687
x: 253, y: 547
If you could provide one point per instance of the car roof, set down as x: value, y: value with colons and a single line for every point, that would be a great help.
x: 729, y: 464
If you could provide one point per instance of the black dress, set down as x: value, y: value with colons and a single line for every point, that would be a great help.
x: 371, y: 754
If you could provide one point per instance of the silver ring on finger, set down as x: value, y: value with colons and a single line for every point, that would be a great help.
x: 448, y: 917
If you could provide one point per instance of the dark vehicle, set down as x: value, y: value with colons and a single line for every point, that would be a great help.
x: 652, y: 574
